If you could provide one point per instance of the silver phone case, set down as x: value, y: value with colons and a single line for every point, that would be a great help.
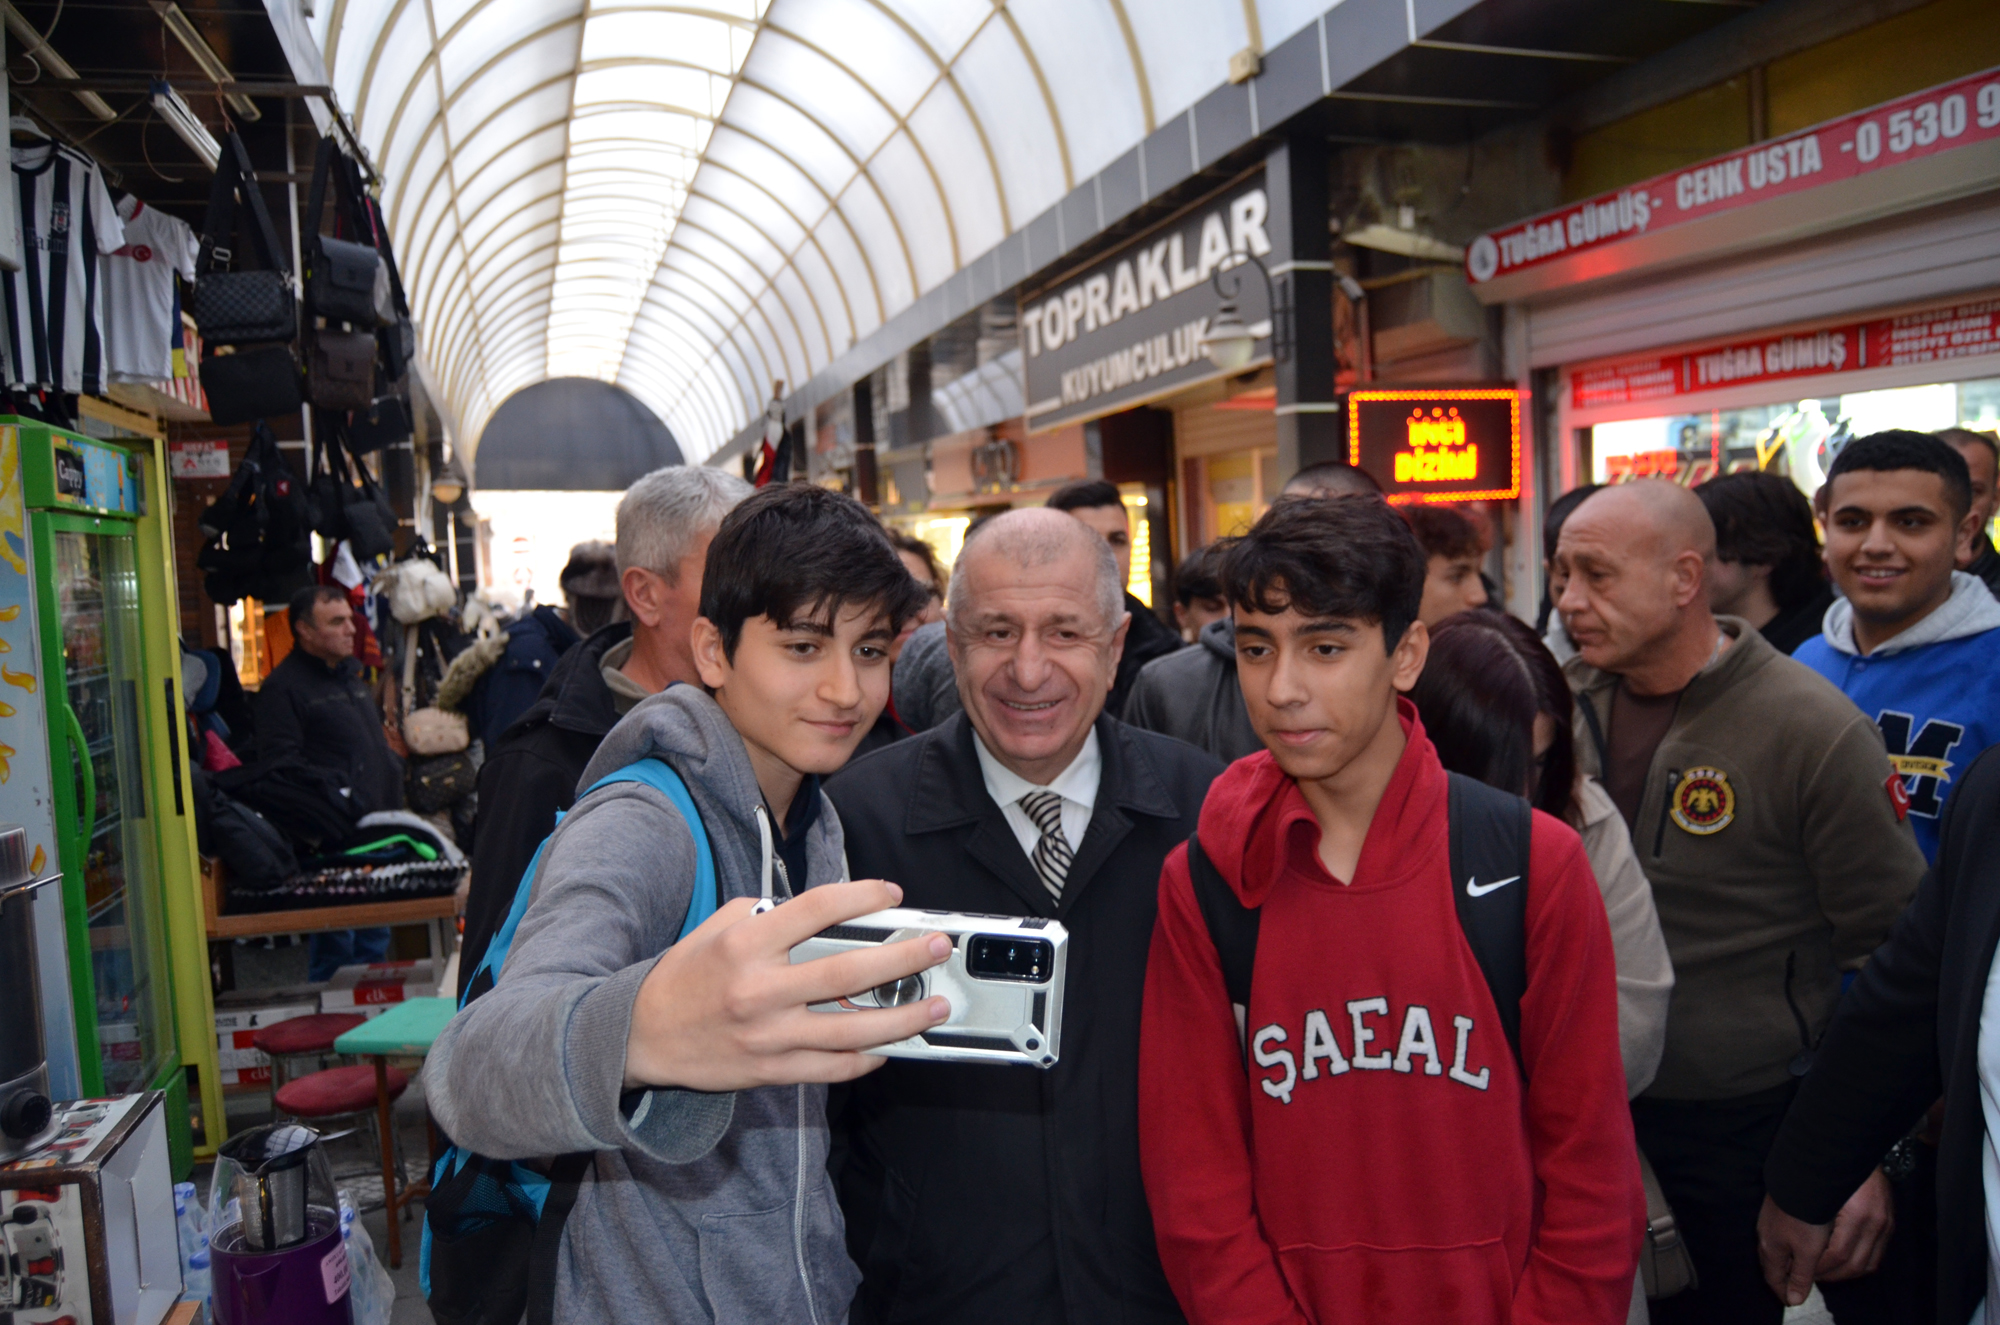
x: 993, y: 1019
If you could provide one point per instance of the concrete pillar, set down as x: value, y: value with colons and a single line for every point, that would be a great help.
x: 1309, y: 420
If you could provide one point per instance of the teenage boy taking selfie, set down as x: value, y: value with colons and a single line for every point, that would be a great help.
x: 1363, y: 1145
x: 679, y: 1064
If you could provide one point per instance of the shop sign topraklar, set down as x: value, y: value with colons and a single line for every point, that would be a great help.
x: 1131, y: 327
x: 1920, y: 125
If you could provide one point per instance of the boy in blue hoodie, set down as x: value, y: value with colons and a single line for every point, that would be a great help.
x: 1911, y: 640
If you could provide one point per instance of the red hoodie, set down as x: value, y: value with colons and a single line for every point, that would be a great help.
x: 1384, y: 1161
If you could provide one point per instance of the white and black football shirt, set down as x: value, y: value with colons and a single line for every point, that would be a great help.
x: 54, y: 304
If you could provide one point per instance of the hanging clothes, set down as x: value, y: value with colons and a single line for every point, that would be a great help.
x: 141, y: 306
x: 55, y: 303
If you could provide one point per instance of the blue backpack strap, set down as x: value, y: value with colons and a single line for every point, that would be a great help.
x: 660, y: 776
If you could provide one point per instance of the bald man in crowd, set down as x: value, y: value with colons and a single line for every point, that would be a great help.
x: 978, y: 1194
x: 1762, y: 810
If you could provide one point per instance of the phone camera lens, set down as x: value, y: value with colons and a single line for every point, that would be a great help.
x: 899, y: 992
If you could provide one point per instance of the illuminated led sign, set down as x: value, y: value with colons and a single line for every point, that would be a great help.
x: 1440, y: 444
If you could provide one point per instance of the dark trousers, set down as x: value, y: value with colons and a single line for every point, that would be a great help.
x: 1709, y: 1155
x: 345, y: 947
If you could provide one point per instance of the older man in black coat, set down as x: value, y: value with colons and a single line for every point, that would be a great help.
x: 1004, y: 1194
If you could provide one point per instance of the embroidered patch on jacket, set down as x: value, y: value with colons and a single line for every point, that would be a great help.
x: 1899, y: 795
x: 1704, y: 802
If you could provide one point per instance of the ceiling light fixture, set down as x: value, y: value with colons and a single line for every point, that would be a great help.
x: 180, y: 117
x: 45, y: 55
x: 204, y: 55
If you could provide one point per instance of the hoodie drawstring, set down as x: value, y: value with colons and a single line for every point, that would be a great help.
x: 764, y: 842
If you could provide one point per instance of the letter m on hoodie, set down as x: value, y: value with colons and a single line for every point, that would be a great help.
x: 1923, y: 760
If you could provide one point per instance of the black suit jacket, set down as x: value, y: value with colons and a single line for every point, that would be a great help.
x: 976, y: 1193
x: 1905, y: 1033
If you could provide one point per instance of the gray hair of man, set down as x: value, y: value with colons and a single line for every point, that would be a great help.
x: 1035, y: 541
x: 663, y: 513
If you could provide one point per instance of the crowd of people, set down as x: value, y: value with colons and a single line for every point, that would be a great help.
x: 1630, y: 965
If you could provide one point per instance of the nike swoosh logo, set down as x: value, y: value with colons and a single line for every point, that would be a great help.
x: 1473, y: 887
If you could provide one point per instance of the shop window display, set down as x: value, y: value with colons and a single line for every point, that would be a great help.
x: 1797, y: 438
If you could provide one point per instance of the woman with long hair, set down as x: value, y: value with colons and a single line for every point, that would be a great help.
x: 1495, y: 705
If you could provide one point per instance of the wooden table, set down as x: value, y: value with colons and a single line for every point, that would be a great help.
x: 432, y: 912
x: 407, y: 1030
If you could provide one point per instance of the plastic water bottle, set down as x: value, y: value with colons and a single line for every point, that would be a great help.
x: 190, y: 1226
x: 372, y: 1296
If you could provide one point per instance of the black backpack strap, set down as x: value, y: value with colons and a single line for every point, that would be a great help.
x: 1491, y: 833
x: 565, y: 1180
x: 1232, y: 928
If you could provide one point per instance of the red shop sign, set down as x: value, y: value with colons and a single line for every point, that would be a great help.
x: 1932, y: 335
x: 1923, y: 124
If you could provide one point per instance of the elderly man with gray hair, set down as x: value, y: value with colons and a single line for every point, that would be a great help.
x: 665, y: 522
x: 975, y: 1194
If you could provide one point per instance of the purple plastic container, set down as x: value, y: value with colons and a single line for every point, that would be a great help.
x: 303, y: 1284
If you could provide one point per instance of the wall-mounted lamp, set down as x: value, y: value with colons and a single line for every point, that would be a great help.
x: 1229, y: 343
x: 449, y: 483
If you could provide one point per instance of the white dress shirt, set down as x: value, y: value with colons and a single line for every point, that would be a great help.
x: 1077, y: 785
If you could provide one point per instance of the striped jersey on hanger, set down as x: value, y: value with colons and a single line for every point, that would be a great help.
x: 54, y: 305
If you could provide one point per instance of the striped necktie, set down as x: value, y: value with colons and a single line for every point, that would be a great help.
x: 1052, y: 854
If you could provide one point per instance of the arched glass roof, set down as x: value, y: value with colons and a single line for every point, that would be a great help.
x: 696, y: 200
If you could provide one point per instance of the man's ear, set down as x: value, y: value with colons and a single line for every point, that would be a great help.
x: 1118, y: 640
x: 1690, y: 573
x: 1968, y: 533
x: 710, y: 662
x: 645, y: 596
x: 1406, y: 660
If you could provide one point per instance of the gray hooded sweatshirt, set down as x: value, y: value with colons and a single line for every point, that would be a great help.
x: 699, y: 1207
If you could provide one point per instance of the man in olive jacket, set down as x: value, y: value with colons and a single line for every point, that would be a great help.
x: 1762, y: 811
x: 989, y: 1195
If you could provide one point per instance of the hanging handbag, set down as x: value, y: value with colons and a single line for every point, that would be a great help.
x: 240, y: 307
x: 371, y: 520
x: 386, y: 422
x: 398, y: 335
x: 434, y: 731
x: 345, y: 281
x: 340, y: 369
x: 326, y: 493
x: 250, y: 382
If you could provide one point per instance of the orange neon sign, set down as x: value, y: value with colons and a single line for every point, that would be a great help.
x: 1439, y: 444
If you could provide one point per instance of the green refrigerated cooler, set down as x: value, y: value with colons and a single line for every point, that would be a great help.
x: 86, y: 527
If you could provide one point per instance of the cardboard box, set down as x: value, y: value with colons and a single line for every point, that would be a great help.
x: 90, y: 1218
x: 358, y: 988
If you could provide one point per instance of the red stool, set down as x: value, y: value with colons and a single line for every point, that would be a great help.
x: 303, y: 1037
x: 348, y: 1092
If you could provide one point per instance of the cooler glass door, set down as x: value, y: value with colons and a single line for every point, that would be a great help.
x: 98, y: 595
